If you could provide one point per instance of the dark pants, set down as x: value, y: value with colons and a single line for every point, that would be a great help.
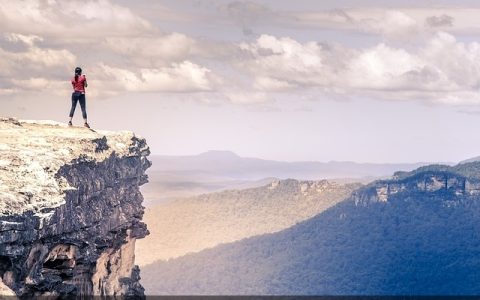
x: 76, y: 97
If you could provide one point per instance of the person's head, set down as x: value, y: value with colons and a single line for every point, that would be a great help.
x: 78, y: 72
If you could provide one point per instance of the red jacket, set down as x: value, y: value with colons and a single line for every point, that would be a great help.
x: 79, y: 85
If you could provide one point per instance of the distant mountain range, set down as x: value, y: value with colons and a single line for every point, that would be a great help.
x: 172, y: 177
x: 415, y: 234
x: 228, y: 164
x: 192, y: 224
x: 182, y: 176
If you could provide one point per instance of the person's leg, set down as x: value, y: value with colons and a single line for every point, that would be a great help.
x: 83, y: 105
x: 74, y: 105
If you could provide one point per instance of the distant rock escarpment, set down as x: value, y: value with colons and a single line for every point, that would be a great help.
x: 70, y: 209
x: 439, y: 181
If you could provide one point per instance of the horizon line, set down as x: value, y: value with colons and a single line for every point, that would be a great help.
x: 233, y: 153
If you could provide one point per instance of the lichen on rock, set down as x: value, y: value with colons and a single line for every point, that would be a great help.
x: 69, y: 205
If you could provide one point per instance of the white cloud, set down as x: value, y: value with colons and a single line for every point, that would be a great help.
x: 460, y: 62
x: 388, y: 23
x: 7, y: 92
x: 380, y: 67
x: 154, y: 50
x: 32, y: 83
x: 48, y: 57
x: 45, y: 40
x: 393, y: 22
x: 32, y: 58
x: 29, y: 40
x: 74, y: 20
x: 285, y: 60
x: 37, y: 84
x: 272, y: 84
x: 179, y: 77
x: 441, y: 70
x: 121, y: 51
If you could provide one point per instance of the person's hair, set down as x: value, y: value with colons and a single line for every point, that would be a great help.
x: 78, y: 71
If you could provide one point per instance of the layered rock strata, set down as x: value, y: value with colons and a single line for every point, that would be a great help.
x: 70, y: 209
x: 451, y: 183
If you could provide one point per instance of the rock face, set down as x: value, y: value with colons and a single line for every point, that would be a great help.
x: 70, y: 209
x: 460, y: 181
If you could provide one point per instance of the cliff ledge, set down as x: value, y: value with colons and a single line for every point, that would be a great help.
x: 70, y: 209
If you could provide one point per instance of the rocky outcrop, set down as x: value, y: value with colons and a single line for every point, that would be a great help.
x: 70, y: 209
x: 447, y: 181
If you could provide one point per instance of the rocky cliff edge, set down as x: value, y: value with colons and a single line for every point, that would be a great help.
x: 70, y: 209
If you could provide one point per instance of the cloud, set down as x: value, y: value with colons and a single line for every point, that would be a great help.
x: 74, y: 20
x: 7, y: 92
x: 32, y: 83
x: 179, y: 77
x: 284, y: 61
x: 30, y: 58
x: 154, y: 50
x: 272, y: 84
x: 388, y: 23
x: 28, y: 40
x: 439, y: 21
x: 247, y: 14
x: 391, y: 22
x: 42, y: 41
x: 341, y: 16
x: 36, y: 84
x: 380, y: 67
x: 441, y: 70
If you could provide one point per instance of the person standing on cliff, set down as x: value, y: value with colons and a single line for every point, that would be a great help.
x: 79, y: 83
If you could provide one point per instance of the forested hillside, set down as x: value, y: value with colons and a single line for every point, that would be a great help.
x: 418, y: 234
x: 195, y: 223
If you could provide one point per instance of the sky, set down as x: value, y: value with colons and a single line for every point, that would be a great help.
x: 365, y: 81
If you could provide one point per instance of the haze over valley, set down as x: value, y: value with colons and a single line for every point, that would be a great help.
x: 181, y: 176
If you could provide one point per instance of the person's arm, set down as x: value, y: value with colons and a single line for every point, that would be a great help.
x: 86, y: 84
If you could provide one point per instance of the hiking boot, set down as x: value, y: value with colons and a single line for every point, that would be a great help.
x: 86, y: 125
x: 70, y: 123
